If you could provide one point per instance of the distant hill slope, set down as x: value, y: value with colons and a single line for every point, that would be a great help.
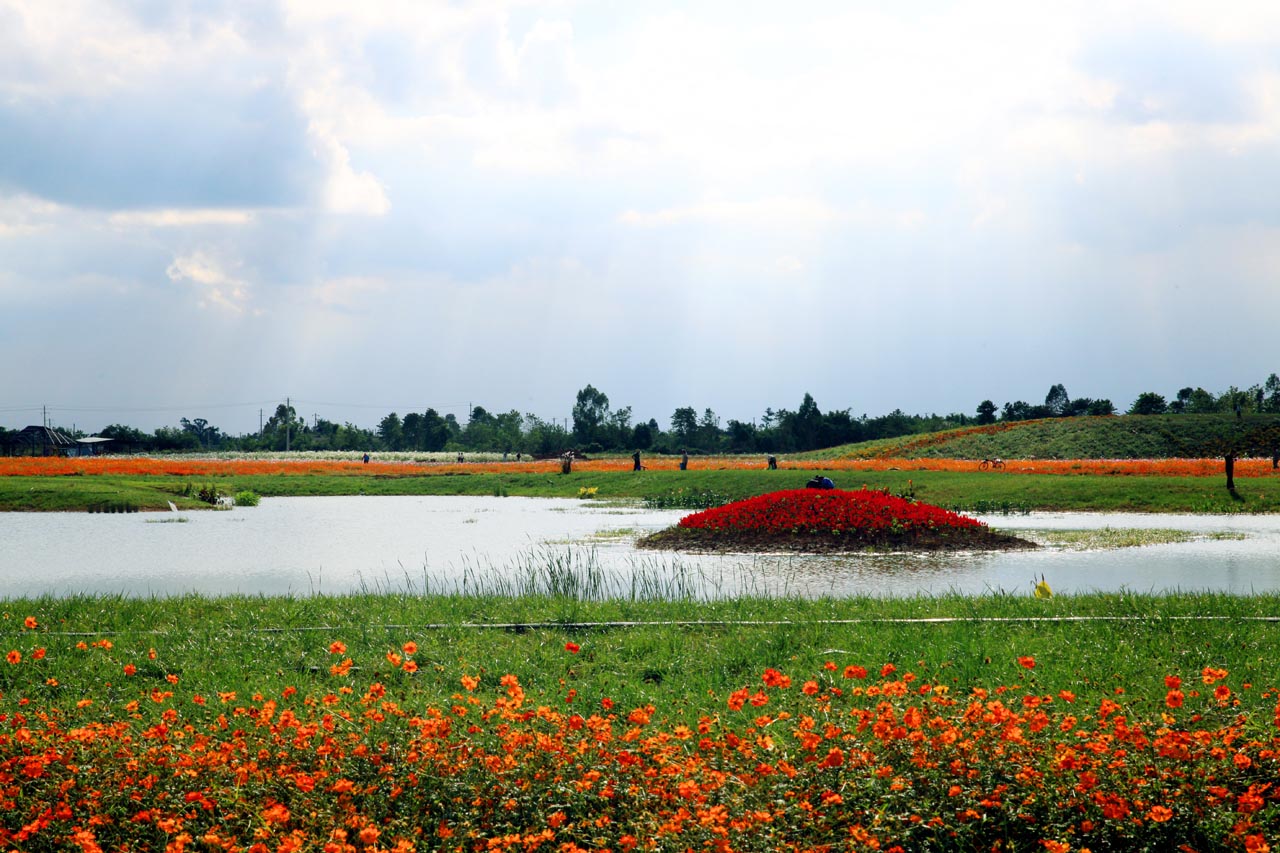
x: 1115, y: 437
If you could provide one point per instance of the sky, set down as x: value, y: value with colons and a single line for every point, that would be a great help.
x: 364, y: 207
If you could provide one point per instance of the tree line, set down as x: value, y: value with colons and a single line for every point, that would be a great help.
x: 599, y: 427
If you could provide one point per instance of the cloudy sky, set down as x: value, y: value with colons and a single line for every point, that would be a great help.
x: 381, y: 206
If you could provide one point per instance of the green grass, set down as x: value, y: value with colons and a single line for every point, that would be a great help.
x: 949, y: 489
x: 682, y: 654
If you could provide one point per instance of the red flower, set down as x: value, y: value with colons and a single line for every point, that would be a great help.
x: 1027, y: 661
x: 572, y: 648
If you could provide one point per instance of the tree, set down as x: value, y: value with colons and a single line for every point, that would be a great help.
x: 207, y: 435
x: 709, y: 431
x: 279, y: 430
x: 986, y: 412
x: 807, y: 423
x: 391, y: 432
x: 1057, y: 401
x: 1148, y: 403
x: 642, y: 437
x: 1101, y: 407
x: 1272, y: 387
x: 684, y: 425
x: 589, y: 413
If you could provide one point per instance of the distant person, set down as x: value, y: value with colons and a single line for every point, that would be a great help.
x: 635, y: 462
x: 504, y: 456
x: 820, y: 482
x: 518, y: 455
x: 773, y: 462
x: 366, y: 459
x: 684, y: 460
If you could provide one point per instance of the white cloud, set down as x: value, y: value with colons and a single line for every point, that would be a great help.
x: 216, y: 285
x: 347, y: 190
x: 178, y: 218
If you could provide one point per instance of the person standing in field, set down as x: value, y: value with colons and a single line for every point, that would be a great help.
x: 635, y: 458
x: 773, y: 462
x: 684, y: 459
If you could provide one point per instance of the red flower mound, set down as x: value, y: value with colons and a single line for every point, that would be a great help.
x: 830, y: 520
x: 826, y: 511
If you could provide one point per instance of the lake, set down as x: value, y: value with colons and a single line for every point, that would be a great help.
x: 333, y: 545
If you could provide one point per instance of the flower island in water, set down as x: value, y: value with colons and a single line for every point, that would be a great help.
x: 830, y: 521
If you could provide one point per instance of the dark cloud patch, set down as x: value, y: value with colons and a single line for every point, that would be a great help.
x: 1165, y: 75
x: 174, y: 148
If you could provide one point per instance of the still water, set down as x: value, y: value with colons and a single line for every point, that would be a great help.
x: 334, y: 545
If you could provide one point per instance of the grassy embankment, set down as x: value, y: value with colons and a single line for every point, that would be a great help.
x: 1116, y: 437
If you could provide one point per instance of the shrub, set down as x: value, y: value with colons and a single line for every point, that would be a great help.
x: 247, y: 498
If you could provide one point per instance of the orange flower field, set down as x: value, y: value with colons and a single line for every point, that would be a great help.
x: 850, y: 757
x: 20, y: 466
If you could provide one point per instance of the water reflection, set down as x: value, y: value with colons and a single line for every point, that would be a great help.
x: 332, y: 545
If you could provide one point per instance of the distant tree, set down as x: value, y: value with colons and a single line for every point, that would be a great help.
x: 806, y: 425
x: 1019, y: 410
x: 709, y: 431
x: 174, y: 438
x: 279, y: 430
x: 589, y: 413
x: 1148, y: 403
x: 1178, y: 406
x: 642, y: 437
x: 618, y: 428
x: 125, y: 439
x: 1272, y: 387
x: 684, y: 425
x: 1202, y: 402
x: 391, y: 432
x: 206, y: 434
x: 986, y: 412
x: 412, y: 431
x: 545, y: 438
x: 1057, y: 401
x: 1100, y: 408
x: 742, y: 436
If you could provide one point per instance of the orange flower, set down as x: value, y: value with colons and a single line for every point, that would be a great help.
x: 855, y: 672
x: 410, y: 648
x: 1160, y: 814
x: 1173, y: 699
x: 1027, y: 662
x: 14, y: 657
x: 1210, y: 675
x: 130, y: 669
x: 29, y: 622
x: 276, y: 813
x: 470, y: 682
x: 337, y: 647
